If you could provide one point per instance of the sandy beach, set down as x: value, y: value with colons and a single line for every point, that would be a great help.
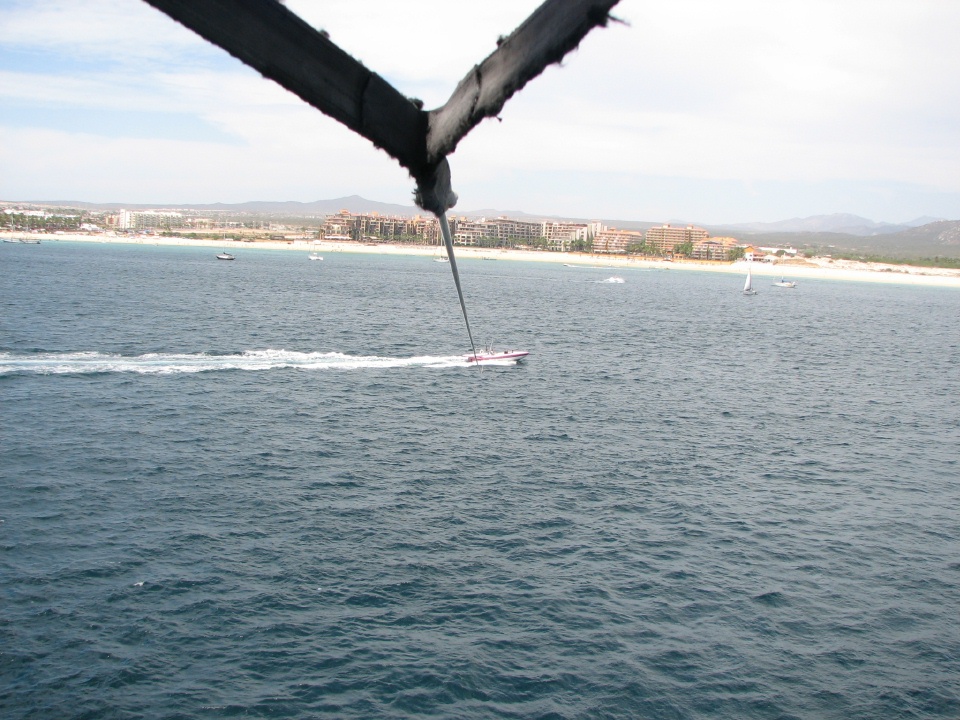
x: 798, y: 270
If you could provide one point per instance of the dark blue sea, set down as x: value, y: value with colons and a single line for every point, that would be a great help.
x: 272, y: 488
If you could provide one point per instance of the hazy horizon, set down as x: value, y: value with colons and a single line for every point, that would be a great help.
x: 114, y: 204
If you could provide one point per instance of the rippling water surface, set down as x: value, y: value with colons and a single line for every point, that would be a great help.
x: 271, y: 488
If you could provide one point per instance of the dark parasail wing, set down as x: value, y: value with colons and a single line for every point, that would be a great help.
x: 554, y: 29
x: 268, y: 37
x: 279, y: 44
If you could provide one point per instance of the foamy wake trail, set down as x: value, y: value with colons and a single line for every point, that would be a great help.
x: 615, y: 279
x: 172, y: 363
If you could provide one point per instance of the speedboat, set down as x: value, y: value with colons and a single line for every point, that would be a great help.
x: 493, y: 356
x: 786, y: 283
x: 225, y: 256
x: 316, y: 256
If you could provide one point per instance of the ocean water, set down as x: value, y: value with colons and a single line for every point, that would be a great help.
x: 271, y: 488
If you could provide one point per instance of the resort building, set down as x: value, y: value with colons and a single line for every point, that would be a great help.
x: 383, y: 227
x: 147, y: 220
x: 342, y: 225
x: 616, y: 241
x: 505, y: 229
x: 427, y: 228
x: 468, y: 232
x: 559, y: 235
x: 715, y: 248
x: 758, y: 254
x: 664, y: 238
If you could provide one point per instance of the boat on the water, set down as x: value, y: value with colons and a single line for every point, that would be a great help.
x: 316, y: 256
x: 748, y: 285
x: 786, y: 283
x: 225, y: 256
x: 493, y: 356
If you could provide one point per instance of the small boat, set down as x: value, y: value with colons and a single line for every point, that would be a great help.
x: 748, y: 285
x: 493, y: 356
x: 786, y: 283
x: 29, y: 241
x: 225, y: 256
x: 442, y: 258
x: 316, y: 256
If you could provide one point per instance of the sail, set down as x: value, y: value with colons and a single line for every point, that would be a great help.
x: 748, y: 285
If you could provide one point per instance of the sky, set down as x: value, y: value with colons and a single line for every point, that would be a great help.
x: 689, y: 110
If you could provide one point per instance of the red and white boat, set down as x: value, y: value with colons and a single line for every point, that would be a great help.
x: 493, y: 356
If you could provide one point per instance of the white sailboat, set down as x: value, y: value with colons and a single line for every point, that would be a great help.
x: 224, y: 255
x: 748, y: 285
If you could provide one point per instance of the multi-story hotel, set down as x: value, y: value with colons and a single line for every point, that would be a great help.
x: 664, y: 238
x: 616, y: 241
x: 146, y: 219
x: 349, y: 226
x: 505, y: 229
x: 715, y: 248
x: 468, y: 232
x: 559, y: 235
x: 340, y: 226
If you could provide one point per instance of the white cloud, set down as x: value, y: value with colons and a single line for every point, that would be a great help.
x: 183, y: 172
x: 118, y: 31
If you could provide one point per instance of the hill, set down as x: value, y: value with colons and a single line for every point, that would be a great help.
x: 936, y: 239
x: 842, y: 223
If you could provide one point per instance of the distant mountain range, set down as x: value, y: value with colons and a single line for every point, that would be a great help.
x: 838, y: 223
x: 941, y: 238
x: 922, y: 237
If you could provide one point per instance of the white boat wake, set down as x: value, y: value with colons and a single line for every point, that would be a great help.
x: 616, y: 279
x: 175, y: 363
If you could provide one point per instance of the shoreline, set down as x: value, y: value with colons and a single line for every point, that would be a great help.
x: 814, y: 268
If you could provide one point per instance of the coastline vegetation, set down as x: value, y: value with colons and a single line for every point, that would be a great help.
x: 930, y: 262
x: 53, y: 222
